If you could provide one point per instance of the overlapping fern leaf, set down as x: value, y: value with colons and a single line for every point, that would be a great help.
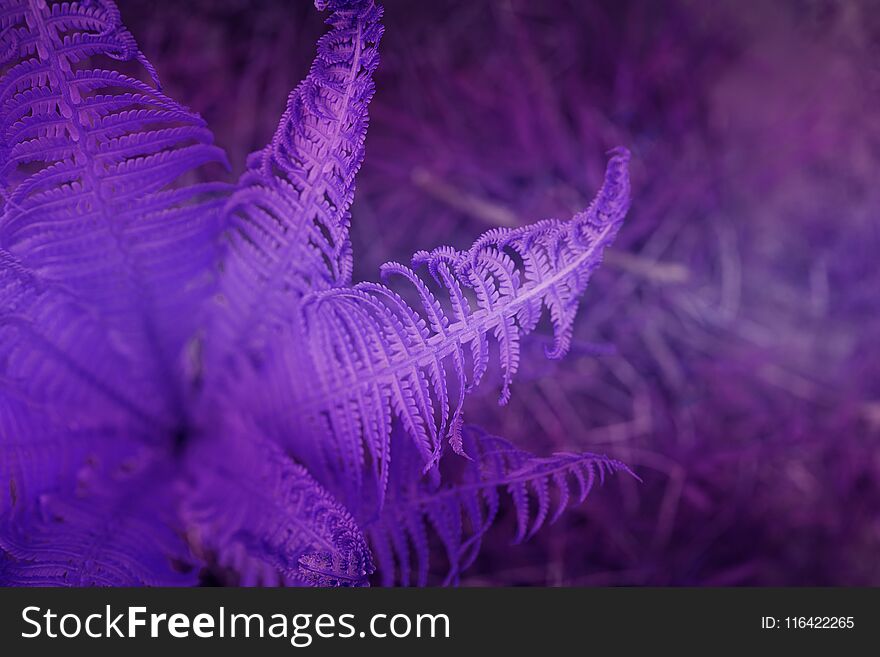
x: 458, y: 513
x: 262, y: 515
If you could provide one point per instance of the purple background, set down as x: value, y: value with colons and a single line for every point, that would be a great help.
x: 728, y: 349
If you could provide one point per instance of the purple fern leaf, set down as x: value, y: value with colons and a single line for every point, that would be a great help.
x: 90, y: 157
x: 289, y: 216
x: 381, y: 356
x: 460, y: 513
x: 56, y: 351
x: 256, y: 510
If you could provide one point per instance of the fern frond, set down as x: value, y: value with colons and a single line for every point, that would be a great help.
x: 289, y: 218
x: 461, y: 511
x: 251, y: 508
x: 68, y: 394
x: 376, y: 355
x: 54, y: 351
x: 92, y: 161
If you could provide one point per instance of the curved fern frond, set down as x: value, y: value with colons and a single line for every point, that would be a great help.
x: 289, y: 217
x: 252, y: 509
x: 381, y: 356
x: 460, y: 512
x: 92, y: 161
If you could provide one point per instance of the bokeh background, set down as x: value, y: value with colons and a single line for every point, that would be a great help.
x: 728, y: 349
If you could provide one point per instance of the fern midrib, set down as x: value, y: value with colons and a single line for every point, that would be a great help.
x: 459, y: 332
x: 307, y: 201
x: 129, y: 269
